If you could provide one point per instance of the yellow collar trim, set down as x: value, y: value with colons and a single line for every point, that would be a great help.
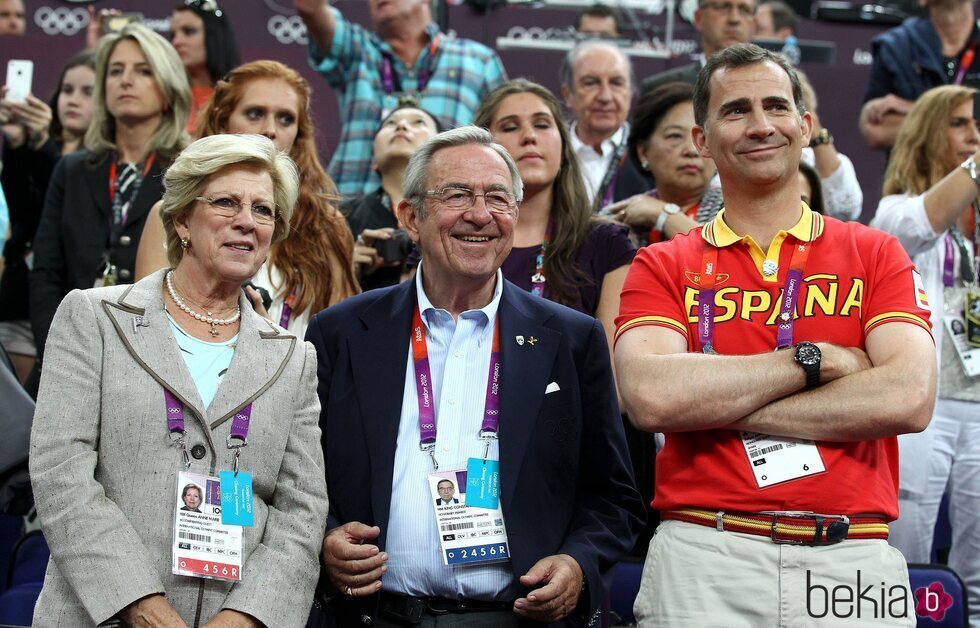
x: 808, y: 228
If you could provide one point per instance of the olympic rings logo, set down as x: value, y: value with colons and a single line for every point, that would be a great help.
x: 288, y: 30
x: 61, y: 21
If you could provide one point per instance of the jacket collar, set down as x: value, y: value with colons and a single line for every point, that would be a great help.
x: 141, y: 322
x: 807, y: 229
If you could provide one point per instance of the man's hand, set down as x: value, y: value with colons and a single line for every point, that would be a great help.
x: 152, y: 611
x: 365, y: 255
x: 837, y: 361
x: 354, y: 567
x: 562, y: 578
x: 228, y: 618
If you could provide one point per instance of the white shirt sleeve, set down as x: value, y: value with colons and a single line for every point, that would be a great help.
x: 905, y: 217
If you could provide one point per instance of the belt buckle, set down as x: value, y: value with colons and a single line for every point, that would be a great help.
x: 836, y: 529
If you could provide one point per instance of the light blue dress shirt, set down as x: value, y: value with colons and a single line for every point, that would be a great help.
x: 459, y: 359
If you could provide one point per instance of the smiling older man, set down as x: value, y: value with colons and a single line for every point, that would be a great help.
x: 462, y: 376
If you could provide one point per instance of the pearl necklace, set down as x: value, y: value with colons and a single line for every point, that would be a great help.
x: 204, y: 318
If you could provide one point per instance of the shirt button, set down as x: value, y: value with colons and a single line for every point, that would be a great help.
x: 198, y: 451
x: 456, y: 355
x: 124, y: 273
x: 125, y: 240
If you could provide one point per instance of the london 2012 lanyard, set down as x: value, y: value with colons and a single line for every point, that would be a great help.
x: 538, y: 279
x: 426, y: 399
x: 966, y: 60
x: 391, y: 82
x: 791, y: 291
x: 175, y: 426
x: 121, y: 208
x: 287, y: 308
x: 607, y: 189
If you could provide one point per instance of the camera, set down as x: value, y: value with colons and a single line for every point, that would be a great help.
x: 395, y: 249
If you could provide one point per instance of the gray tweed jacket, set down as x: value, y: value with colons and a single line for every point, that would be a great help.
x: 105, y: 475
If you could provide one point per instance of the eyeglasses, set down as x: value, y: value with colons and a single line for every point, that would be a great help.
x: 208, y: 6
x: 460, y: 199
x: 229, y: 207
x: 744, y: 10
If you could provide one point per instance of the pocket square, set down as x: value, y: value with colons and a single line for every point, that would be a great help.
x: 552, y: 387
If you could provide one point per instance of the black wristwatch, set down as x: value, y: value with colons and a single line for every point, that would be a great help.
x: 808, y: 356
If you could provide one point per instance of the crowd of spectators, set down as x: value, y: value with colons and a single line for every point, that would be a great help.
x: 187, y: 188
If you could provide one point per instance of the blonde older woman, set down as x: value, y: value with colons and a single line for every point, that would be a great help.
x: 175, y: 380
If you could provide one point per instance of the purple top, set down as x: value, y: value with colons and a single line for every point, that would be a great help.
x: 606, y: 248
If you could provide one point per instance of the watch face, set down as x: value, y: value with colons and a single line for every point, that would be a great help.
x: 807, y: 354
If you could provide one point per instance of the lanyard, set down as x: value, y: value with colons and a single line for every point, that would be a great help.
x: 121, y: 209
x: 390, y: 81
x: 287, y: 308
x: 791, y: 291
x: 175, y: 426
x: 538, y: 279
x: 426, y: 399
x: 966, y: 60
x: 608, y: 187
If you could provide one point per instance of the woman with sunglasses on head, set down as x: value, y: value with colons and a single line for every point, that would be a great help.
x: 312, y: 268
x: 46, y: 133
x: 98, y: 199
x: 931, y: 203
x: 202, y: 35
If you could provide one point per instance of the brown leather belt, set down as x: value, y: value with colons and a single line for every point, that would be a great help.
x: 789, y: 527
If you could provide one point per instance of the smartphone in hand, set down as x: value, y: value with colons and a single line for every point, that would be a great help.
x: 20, y: 75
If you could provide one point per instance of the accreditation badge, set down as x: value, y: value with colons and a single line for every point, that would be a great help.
x: 203, y: 546
x: 972, y: 316
x: 776, y: 460
x: 961, y: 321
x: 468, y: 534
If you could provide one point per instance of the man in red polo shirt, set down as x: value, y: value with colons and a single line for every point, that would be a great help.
x: 780, y: 470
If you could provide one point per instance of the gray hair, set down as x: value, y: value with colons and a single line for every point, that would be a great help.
x: 170, y: 76
x: 567, y: 71
x: 417, y: 172
x: 185, y: 179
x: 738, y: 56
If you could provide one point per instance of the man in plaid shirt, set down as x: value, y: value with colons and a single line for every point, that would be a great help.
x: 406, y: 55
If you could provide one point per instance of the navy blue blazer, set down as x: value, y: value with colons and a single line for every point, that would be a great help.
x: 566, y: 481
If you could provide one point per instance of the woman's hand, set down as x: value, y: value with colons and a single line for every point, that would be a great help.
x: 228, y: 618
x: 152, y: 611
x: 641, y: 210
x: 34, y: 116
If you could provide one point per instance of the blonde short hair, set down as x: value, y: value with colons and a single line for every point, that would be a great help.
x: 185, y: 179
x: 170, y: 76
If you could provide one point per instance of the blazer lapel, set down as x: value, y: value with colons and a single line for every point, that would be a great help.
x: 526, y: 370
x: 379, y: 357
x: 261, y: 354
x: 141, y: 322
